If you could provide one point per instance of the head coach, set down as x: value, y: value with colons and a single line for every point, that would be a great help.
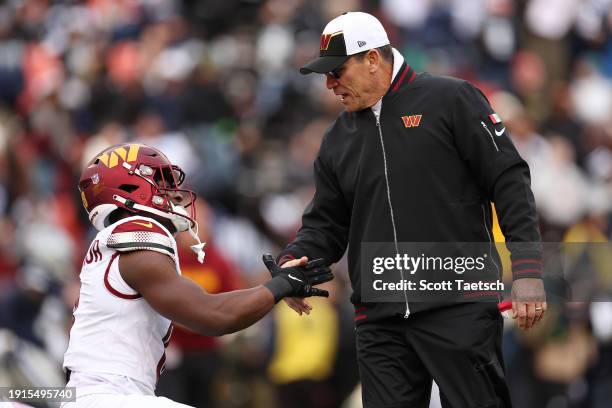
x: 417, y: 158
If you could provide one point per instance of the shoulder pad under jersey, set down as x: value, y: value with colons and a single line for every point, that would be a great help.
x: 141, y: 234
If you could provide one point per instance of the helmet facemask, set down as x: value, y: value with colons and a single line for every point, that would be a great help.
x: 180, y: 201
x: 168, y: 200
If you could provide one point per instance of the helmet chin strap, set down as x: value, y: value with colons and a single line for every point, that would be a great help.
x: 199, y: 247
x: 181, y: 222
x: 179, y: 219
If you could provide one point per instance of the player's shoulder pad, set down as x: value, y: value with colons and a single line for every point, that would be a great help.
x: 133, y: 234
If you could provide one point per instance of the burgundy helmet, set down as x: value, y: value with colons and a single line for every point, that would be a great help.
x: 139, y: 179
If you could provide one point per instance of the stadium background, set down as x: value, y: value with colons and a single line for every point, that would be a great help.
x: 214, y: 84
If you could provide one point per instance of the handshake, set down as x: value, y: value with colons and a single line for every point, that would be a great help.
x: 297, y: 281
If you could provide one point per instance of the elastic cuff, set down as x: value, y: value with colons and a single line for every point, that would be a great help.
x: 279, y: 287
x: 526, y: 268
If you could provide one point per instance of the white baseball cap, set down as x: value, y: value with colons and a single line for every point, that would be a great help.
x: 346, y: 35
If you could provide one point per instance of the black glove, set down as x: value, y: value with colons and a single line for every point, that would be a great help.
x: 297, y: 281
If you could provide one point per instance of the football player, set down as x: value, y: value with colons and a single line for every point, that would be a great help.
x: 131, y: 284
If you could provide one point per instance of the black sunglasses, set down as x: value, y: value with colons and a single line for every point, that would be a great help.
x: 337, y: 73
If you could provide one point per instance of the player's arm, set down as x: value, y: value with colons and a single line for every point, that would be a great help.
x: 154, y: 276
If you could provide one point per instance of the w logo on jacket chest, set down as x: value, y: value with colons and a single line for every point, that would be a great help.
x: 412, y: 120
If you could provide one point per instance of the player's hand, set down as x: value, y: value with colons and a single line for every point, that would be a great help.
x: 300, y: 305
x: 528, y: 301
x: 301, y: 278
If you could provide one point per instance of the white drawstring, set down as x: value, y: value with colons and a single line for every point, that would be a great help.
x: 199, y: 247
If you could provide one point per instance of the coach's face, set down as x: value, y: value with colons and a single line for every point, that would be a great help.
x: 355, y: 81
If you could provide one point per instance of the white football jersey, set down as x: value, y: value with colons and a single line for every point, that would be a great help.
x: 115, y: 329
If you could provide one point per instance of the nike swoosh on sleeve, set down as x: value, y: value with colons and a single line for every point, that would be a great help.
x: 501, y: 132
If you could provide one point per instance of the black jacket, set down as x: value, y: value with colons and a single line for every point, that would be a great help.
x: 442, y: 176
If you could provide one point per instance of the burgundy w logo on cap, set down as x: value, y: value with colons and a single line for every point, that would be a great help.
x: 326, y: 38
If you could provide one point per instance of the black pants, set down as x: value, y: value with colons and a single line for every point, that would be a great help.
x: 458, y: 346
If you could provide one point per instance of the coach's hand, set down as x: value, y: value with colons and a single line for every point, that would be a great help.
x: 298, y: 280
x: 528, y: 301
x: 300, y: 305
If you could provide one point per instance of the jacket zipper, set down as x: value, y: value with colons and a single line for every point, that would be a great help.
x: 382, y: 144
x: 484, y: 125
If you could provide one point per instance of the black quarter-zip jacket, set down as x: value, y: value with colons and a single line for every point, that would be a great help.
x: 442, y: 177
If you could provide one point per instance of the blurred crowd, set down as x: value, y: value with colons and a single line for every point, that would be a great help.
x: 214, y: 84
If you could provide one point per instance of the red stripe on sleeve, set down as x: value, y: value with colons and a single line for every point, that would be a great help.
x: 527, y: 261
x: 527, y: 271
